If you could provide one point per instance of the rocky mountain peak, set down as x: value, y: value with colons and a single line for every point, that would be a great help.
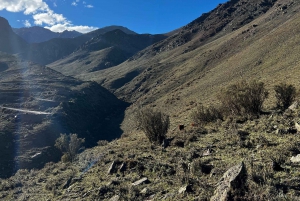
x: 4, y: 25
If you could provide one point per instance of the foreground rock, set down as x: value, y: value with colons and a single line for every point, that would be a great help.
x: 141, y: 181
x: 232, y: 184
x: 295, y: 159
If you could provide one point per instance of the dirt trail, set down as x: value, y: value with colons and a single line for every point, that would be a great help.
x: 24, y: 110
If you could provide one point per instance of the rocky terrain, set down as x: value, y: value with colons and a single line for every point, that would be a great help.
x: 38, y: 103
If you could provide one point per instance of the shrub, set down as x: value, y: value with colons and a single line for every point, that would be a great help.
x: 204, y: 115
x: 244, y: 98
x: 154, y: 124
x: 69, y: 145
x: 285, y: 95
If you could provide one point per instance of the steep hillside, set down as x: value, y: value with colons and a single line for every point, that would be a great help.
x: 10, y: 42
x: 38, y: 103
x: 104, y: 51
x: 265, y: 49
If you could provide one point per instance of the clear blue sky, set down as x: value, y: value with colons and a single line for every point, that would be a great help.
x: 141, y: 16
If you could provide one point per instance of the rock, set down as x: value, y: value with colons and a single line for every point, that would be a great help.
x: 169, y: 196
x: 281, y: 131
x: 150, y: 198
x: 207, y: 152
x: 295, y: 159
x: 294, y: 106
x: 144, y: 191
x: 141, y: 181
x: 115, y: 198
x: 182, y: 189
x: 67, y: 183
x: 111, y: 168
x: 185, y: 189
x: 122, y: 167
x: 297, y: 126
x: 233, y: 183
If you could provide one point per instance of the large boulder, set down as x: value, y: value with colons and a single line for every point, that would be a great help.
x: 232, y: 184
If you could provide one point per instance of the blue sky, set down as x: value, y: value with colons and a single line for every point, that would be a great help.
x: 141, y: 16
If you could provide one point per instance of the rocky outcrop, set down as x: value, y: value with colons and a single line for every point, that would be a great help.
x: 232, y: 184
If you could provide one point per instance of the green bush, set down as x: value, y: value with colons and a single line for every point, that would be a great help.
x: 204, y: 115
x: 154, y: 124
x: 285, y: 95
x: 69, y: 145
x: 244, y: 98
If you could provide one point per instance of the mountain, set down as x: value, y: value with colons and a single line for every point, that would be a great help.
x: 10, y: 42
x: 38, y: 34
x: 50, y: 50
x: 104, y: 51
x: 69, y: 34
x: 200, y: 54
x: 38, y: 103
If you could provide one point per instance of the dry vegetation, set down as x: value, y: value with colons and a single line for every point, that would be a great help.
x: 188, y: 169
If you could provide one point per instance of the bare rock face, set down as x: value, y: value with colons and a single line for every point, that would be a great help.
x: 232, y: 184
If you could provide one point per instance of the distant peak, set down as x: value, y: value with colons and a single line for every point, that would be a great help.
x: 4, y: 23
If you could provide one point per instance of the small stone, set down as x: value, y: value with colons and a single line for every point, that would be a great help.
x: 295, y: 159
x: 144, y: 191
x: 115, y: 198
x: 111, y: 168
x: 67, y: 183
x: 295, y: 105
x: 182, y: 189
x: 258, y: 146
x: 297, y: 126
x: 141, y: 181
x: 207, y: 152
x: 122, y: 167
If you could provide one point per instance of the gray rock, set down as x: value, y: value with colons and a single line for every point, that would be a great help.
x: 295, y: 105
x: 232, y: 183
x: 111, y: 168
x: 144, y: 191
x: 122, y: 167
x: 182, y: 189
x: 115, y: 198
x: 141, y: 181
x: 295, y: 159
x: 207, y: 152
x: 297, y: 126
x: 67, y: 183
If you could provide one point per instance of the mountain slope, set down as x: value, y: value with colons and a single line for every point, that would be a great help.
x: 104, y: 51
x: 38, y: 103
x: 264, y: 49
x: 9, y: 41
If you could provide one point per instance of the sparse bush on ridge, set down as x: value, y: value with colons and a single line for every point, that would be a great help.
x: 204, y: 115
x: 69, y: 145
x: 285, y: 95
x: 244, y: 98
x: 154, y: 124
